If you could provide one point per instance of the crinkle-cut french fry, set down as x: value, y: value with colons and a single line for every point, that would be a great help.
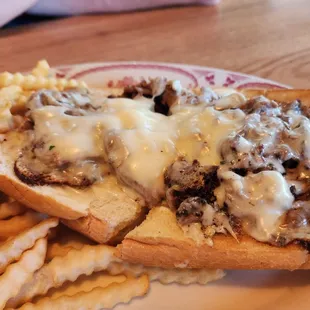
x: 98, y: 298
x: 6, y: 79
x: 85, y: 261
x: 185, y: 276
x: 166, y: 276
x: 8, y: 95
x: 19, y: 273
x: 8, y: 209
x: 67, y: 236
x: 41, y: 69
x: 18, y: 224
x: 56, y: 249
x: 12, y: 249
x: 53, y: 233
x: 85, y: 284
x: 65, y: 241
x: 32, y: 82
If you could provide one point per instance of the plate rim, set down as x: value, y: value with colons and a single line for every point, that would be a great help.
x: 180, y: 65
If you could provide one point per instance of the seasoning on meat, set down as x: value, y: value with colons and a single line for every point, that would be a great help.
x: 185, y: 180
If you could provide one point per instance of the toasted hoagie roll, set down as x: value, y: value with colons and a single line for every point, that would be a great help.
x: 160, y: 241
x: 229, y: 167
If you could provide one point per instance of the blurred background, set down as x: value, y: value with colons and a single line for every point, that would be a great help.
x: 20, y: 12
x: 267, y: 38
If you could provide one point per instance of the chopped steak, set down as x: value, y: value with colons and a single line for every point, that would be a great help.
x: 50, y: 169
x: 212, y: 219
x: 147, y: 89
x: 305, y: 244
x: 273, y: 138
x: 185, y: 180
x: 191, y: 210
x: 74, y: 99
x: 173, y: 95
x: 49, y: 176
x: 166, y: 94
x: 263, y: 106
x: 295, y: 224
x: 299, y: 216
x: 236, y: 224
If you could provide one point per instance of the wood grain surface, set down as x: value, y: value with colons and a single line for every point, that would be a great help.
x: 268, y: 38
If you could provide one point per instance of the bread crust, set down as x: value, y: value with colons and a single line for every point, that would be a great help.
x: 86, y: 223
x: 280, y: 95
x: 37, y: 201
x: 225, y: 254
x: 100, y: 230
x: 154, y: 243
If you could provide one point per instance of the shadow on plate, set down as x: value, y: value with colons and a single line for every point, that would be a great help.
x: 265, y: 278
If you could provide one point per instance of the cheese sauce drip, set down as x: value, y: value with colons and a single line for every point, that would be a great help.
x: 259, y: 200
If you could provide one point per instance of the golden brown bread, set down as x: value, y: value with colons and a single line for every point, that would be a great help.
x: 281, y: 95
x: 160, y: 241
x: 36, y: 200
x: 103, y: 213
x: 100, y: 230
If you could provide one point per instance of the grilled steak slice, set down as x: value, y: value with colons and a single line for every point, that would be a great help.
x: 31, y: 177
x: 71, y: 99
x: 33, y: 171
x: 184, y: 180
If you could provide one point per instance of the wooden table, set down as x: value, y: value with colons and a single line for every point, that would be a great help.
x: 268, y: 38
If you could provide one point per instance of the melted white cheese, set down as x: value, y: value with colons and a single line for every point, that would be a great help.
x: 304, y: 132
x: 259, y: 200
x: 73, y: 137
x: 263, y: 130
x: 215, y: 126
x: 143, y: 143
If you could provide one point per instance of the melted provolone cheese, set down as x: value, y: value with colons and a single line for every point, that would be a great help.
x: 215, y: 126
x: 73, y: 137
x: 259, y: 200
x: 141, y: 143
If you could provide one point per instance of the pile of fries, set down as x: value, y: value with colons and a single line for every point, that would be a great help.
x: 35, y: 259
x: 43, y: 264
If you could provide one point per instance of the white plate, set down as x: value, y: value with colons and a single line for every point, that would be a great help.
x: 124, y: 73
x: 240, y: 290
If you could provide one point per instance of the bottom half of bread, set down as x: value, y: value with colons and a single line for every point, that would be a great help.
x: 159, y: 241
x: 103, y: 212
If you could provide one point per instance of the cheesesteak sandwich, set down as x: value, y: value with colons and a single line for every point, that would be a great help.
x: 221, y: 176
